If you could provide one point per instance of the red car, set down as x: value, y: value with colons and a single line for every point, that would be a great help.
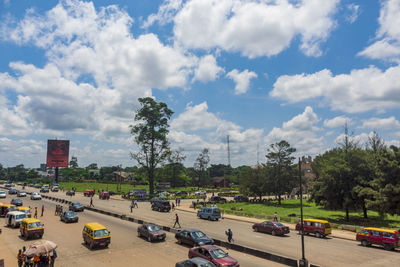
x: 213, y: 254
x: 274, y: 228
x: 88, y: 193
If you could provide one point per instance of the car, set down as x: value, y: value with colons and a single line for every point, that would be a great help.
x: 37, y: 186
x: 8, y: 185
x: 36, y: 196
x: 241, y: 198
x: 76, y: 206
x: 13, y: 191
x: 95, y: 234
x: 31, y: 227
x: 69, y: 216
x: 193, y: 237
x: 195, y: 262
x: 16, y: 202
x: 20, y: 184
x: 44, y: 190
x: 112, y: 193
x: 209, y: 213
x: 31, y: 185
x: 21, y: 193
x: 88, y: 193
x: 213, y: 254
x: 161, y: 205
x: 54, y: 189
x: 181, y: 193
x: 270, y: 227
x: 151, y: 232
x: 3, y: 194
x: 217, y: 199
x: 154, y: 199
x: 200, y: 193
x: 70, y: 193
x: 387, y: 238
x: 104, y: 195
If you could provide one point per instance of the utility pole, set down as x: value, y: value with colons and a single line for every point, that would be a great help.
x: 229, y: 152
x: 303, y: 262
x: 258, y: 154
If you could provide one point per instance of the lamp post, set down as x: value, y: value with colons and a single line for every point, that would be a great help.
x: 303, y: 261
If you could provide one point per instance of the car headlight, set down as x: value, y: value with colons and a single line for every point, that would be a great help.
x: 201, y: 243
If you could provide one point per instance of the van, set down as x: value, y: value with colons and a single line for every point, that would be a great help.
x: 389, y: 239
x: 320, y: 228
x: 30, y: 227
x: 14, y: 218
x: 95, y: 234
x: 210, y: 213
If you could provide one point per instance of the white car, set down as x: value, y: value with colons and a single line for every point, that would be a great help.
x: 200, y: 193
x: 3, y: 194
x: 21, y: 194
x: 36, y: 196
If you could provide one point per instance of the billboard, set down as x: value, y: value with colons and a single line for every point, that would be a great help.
x: 57, y: 153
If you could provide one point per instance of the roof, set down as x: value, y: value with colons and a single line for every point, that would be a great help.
x: 30, y: 220
x: 15, y: 212
x: 209, y: 247
x: 315, y: 220
x: 199, y: 260
x: 7, y: 205
x: 95, y: 226
x: 23, y: 208
x: 381, y: 229
x: 192, y: 230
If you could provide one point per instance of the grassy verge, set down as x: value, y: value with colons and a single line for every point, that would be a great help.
x: 310, y: 210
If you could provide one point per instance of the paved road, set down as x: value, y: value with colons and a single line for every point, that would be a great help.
x: 126, y: 249
x: 324, y: 252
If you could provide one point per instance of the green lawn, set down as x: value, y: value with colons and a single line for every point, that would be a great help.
x: 310, y: 210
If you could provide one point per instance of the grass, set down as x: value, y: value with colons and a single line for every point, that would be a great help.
x: 310, y: 210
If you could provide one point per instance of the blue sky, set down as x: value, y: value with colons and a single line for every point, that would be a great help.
x: 258, y: 71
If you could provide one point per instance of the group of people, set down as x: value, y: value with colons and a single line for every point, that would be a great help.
x: 47, y: 260
x: 59, y: 210
x: 177, y: 201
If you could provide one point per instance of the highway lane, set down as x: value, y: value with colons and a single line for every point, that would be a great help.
x: 126, y: 249
x: 324, y: 252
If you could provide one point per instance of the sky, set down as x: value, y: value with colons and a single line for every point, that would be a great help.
x: 258, y: 71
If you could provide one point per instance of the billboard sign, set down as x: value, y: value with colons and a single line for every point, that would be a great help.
x: 57, y: 153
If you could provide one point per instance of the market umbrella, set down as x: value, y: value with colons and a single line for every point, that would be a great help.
x: 39, y: 248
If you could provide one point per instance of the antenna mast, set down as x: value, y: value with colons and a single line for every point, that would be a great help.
x: 229, y: 151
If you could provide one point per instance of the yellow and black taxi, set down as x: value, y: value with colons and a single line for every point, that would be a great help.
x: 31, y: 228
x: 25, y: 210
x: 5, y: 208
x: 95, y: 234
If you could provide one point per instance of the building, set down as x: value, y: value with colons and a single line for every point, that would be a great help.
x: 120, y: 176
x: 220, y: 182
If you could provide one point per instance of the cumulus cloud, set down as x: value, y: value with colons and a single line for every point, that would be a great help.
x: 387, y: 44
x: 338, y: 121
x: 354, y: 12
x: 381, y: 123
x: 11, y: 123
x: 165, y: 14
x: 207, y: 70
x: 361, y: 90
x: 20, y: 151
x: 242, y: 80
x: 265, y: 28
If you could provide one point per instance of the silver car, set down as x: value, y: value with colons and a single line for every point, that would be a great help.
x: 21, y: 193
x: 36, y: 196
x: 3, y: 194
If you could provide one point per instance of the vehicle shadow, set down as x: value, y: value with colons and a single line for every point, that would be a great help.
x: 94, y: 248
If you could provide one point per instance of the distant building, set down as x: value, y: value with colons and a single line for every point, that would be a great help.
x: 220, y: 182
x: 120, y: 176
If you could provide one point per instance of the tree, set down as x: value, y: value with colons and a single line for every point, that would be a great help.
x: 200, y: 166
x: 218, y: 170
x: 280, y: 168
x: 253, y: 181
x: 150, y: 134
x: 92, y: 166
x: 175, y: 159
x: 74, y: 162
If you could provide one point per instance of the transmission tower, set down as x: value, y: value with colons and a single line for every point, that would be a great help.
x: 229, y: 151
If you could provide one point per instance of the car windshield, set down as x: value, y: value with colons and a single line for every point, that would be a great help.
x: 26, y: 210
x: 76, y: 204
x: 207, y: 264
x: 153, y: 228
x: 100, y: 233
x: 35, y: 225
x: 218, y: 253
x: 279, y: 224
x: 21, y: 216
x: 216, y: 211
x: 198, y: 234
x: 70, y: 213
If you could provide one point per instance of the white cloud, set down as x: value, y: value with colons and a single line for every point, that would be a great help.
x: 387, y: 44
x: 165, y: 14
x: 242, y: 80
x: 338, y: 121
x: 359, y: 91
x: 359, y: 140
x: 381, y: 123
x: 11, y: 124
x: 265, y: 28
x: 195, y: 118
x: 300, y: 132
x: 207, y: 70
x: 22, y: 151
x: 354, y: 12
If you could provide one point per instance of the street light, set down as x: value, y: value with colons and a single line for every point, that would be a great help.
x: 303, y: 261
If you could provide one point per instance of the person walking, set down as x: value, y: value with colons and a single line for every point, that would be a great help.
x: 35, y: 215
x: 56, y: 210
x: 42, y: 211
x: 177, y: 221
x: 20, y: 257
x: 91, y: 202
x: 230, y: 235
x: 53, y: 258
x: 132, y: 205
x: 135, y: 204
x: 173, y: 205
x: 36, y: 261
x: 176, y: 201
x: 179, y: 201
x: 275, y: 216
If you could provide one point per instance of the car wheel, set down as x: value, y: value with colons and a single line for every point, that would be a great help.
x: 273, y: 233
x: 388, y: 247
x: 318, y: 235
x: 179, y: 242
x: 364, y: 243
x: 149, y: 238
x: 91, y: 245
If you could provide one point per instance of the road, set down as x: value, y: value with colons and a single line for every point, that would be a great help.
x: 126, y: 249
x: 323, y: 252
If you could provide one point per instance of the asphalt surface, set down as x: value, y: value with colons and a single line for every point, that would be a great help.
x: 126, y: 249
x: 323, y: 252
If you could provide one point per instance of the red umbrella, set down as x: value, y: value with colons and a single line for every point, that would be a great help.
x: 40, y: 248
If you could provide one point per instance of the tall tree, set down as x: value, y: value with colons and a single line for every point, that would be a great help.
x: 150, y: 134
x: 253, y: 181
x: 280, y: 168
x: 92, y: 166
x: 175, y: 159
x: 200, y: 166
x: 73, y: 162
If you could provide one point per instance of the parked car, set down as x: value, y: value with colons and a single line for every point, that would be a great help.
x: 193, y: 237
x: 8, y: 185
x: 95, y: 234
x: 44, y: 190
x: 36, y: 196
x: 151, y: 232
x: 21, y: 193
x: 209, y: 213
x: 70, y: 193
x: 274, y: 228
x: 112, y: 193
x: 19, y: 184
x: 3, y: 194
x: 37, y: 186
x: 12, y: 191
x: 76, y: 206
x: 14, y: 218
x: 88, y: 193
x: 195, y: 262
x: 69, y: 216
x: 213, y: 254
x: 320, y: 228
x: 181, y: 193
x: 200, y: 193
x: 154, y: 199
x: 16, y: 202
x: 217, y: 199
x: 54, y: 189
x: 31, y: 185
x: 161, y: 205
x: 241, y: 198
x: 388, y: 239
x: 104, y: 195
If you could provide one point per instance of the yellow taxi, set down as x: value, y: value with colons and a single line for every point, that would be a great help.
x: 31, y: 227
x: 5, y: 208
x: 25, y: 210
x: 95, y: 234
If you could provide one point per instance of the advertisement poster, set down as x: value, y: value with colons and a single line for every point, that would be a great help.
x: 57, y: 153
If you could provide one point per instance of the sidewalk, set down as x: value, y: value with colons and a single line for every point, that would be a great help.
x: 335, y: 233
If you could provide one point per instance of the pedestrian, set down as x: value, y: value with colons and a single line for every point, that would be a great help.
x: 60, y: 209
x: 91, y: 202
x: 28, y: 261
x: 53, y: 258
x: 56, y: 210
x: 176, y: 201
x: 132, y: 205
x: 35, y: 215
x: 177, y: 221
x: 230, y: 235
x: 135, y: 204
x: 275, y: 216
x: 173, y: 206
x: 179, y: 201
x: 20, y: 257
x: 36, y: 261
x: 42, y: 211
